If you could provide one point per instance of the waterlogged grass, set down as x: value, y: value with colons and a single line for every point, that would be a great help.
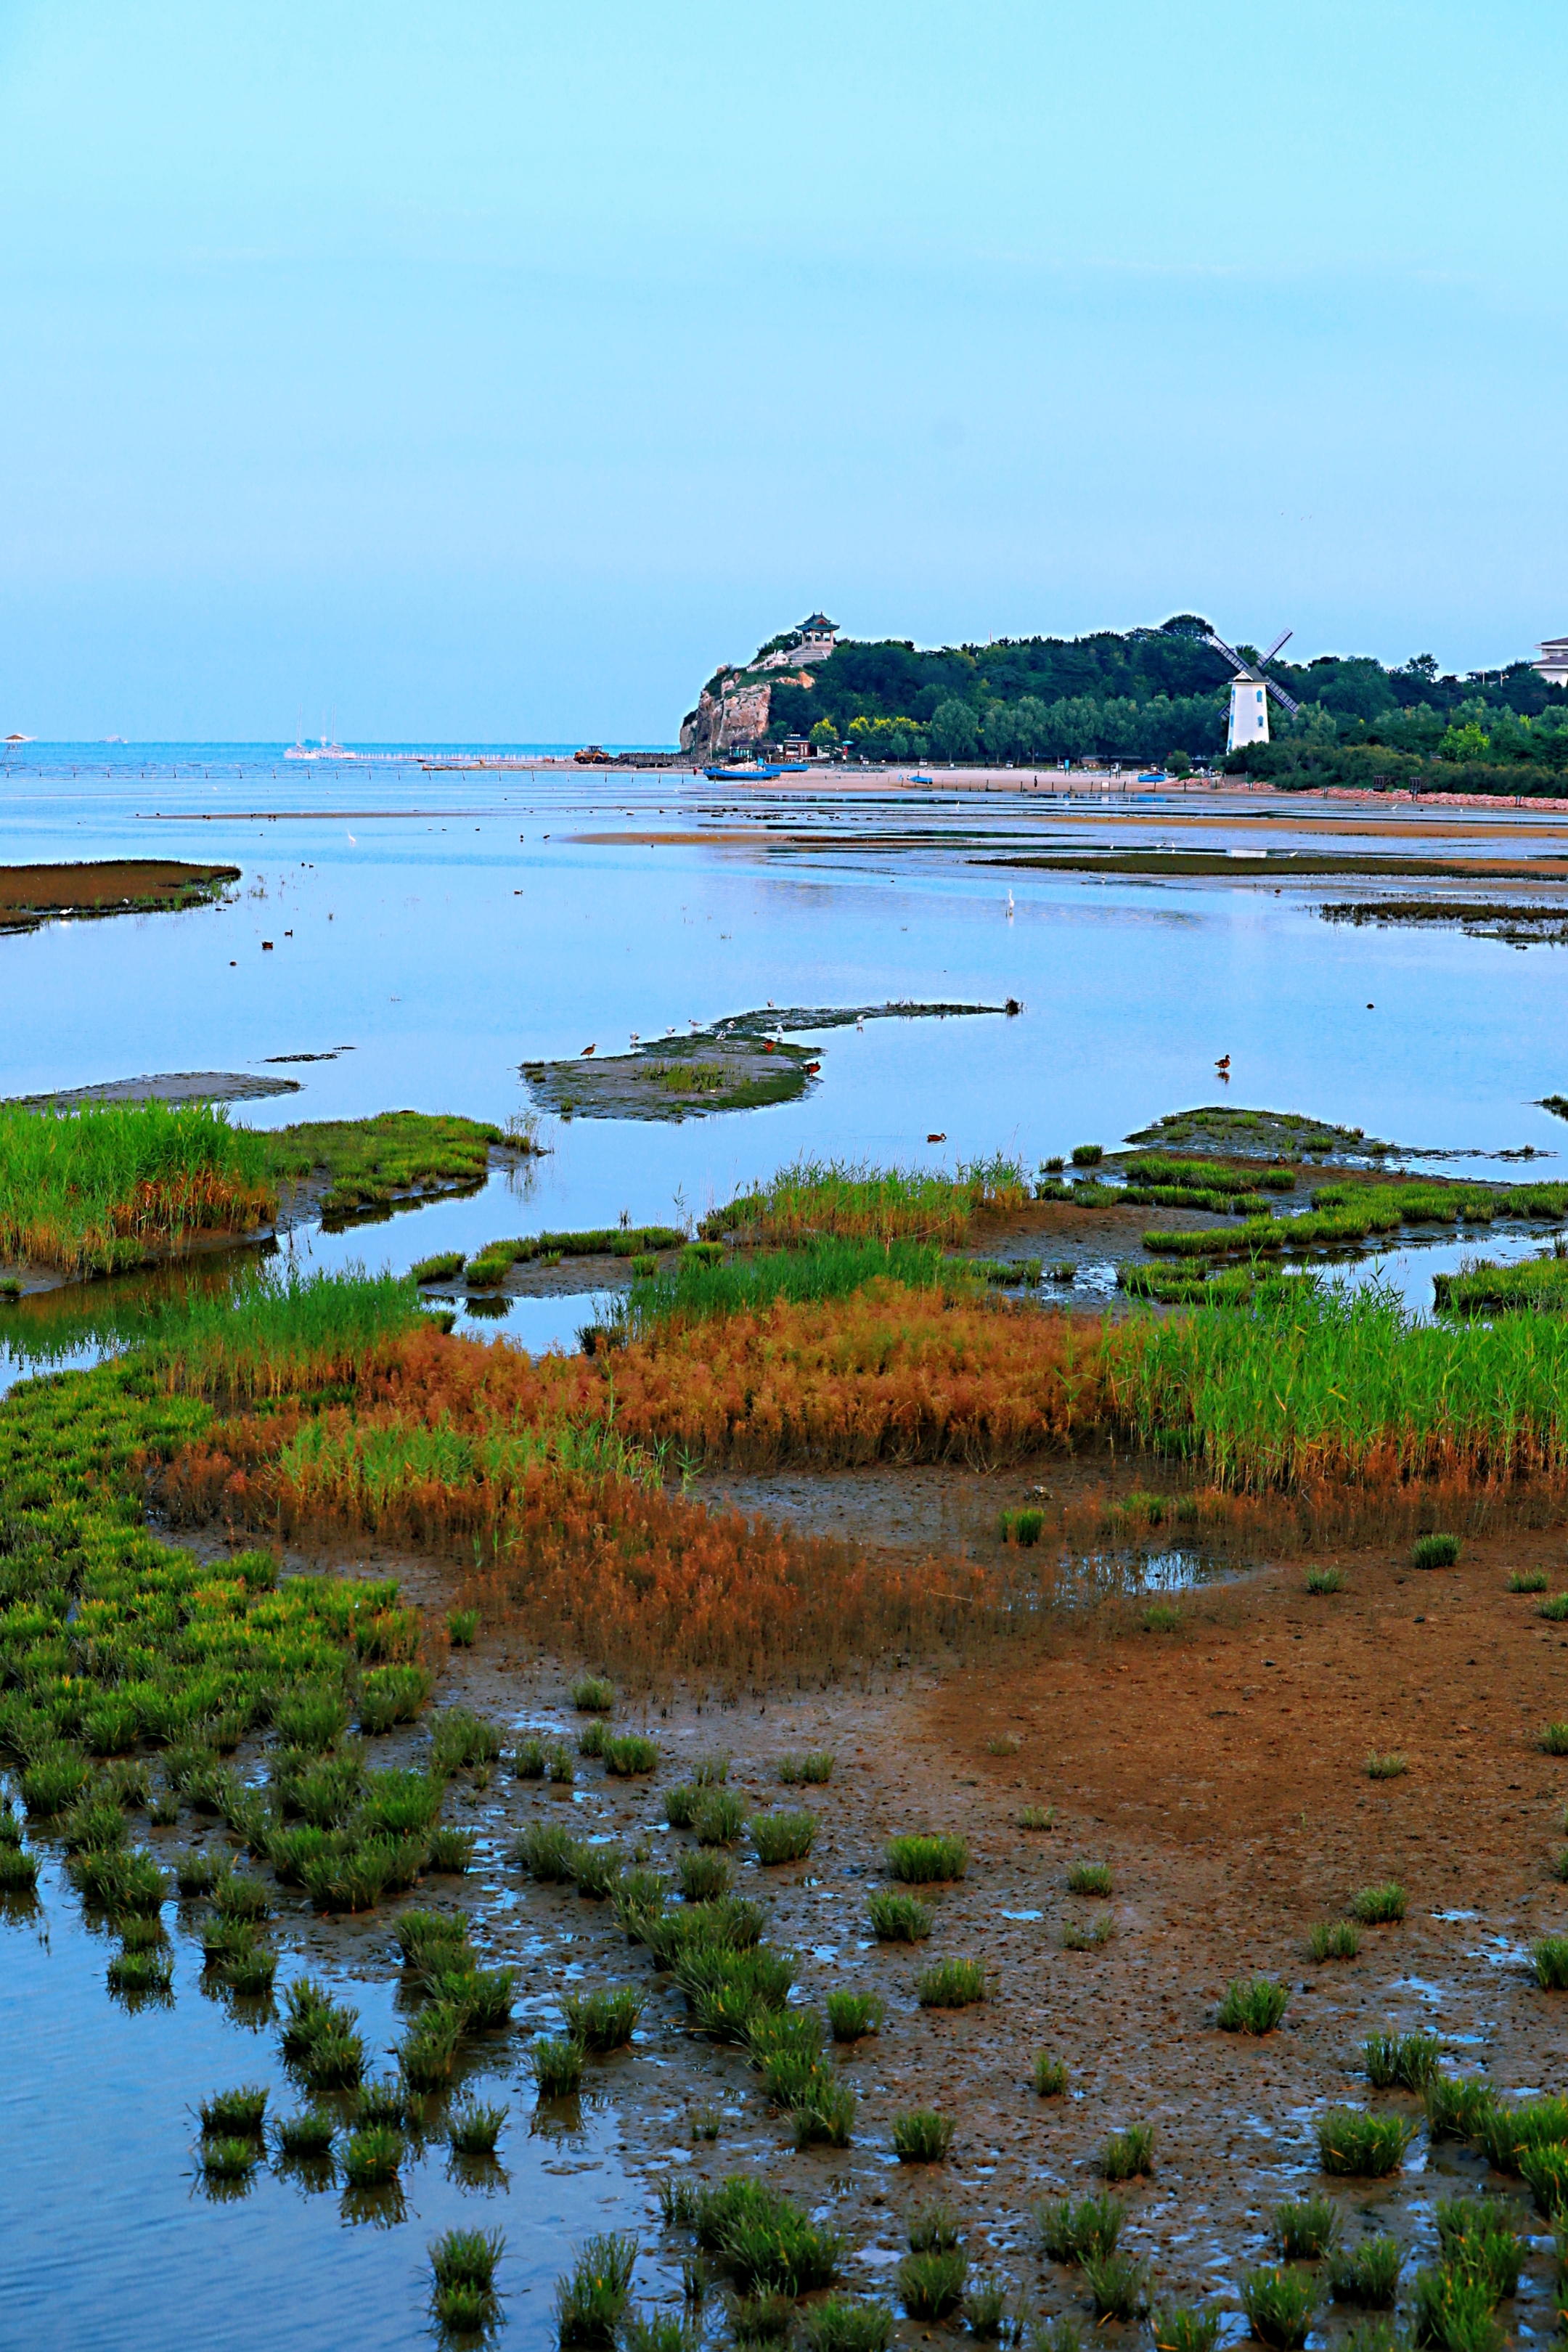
x: 1380, y: 1906
x: 922, y: 2135
x: 921, y: 1861
x: 1334, y: 1940
x: 93, y: 1190
x: 852, y: 1202
x: 1355, y: 2143
x: 1280, y: 2307
x: 1403, y: 2061
x: 1341, y: 1384
x: 699, y: 1290
x: 1305, y: 2227
x: 899, y: 1918
x: 1367, y: 2274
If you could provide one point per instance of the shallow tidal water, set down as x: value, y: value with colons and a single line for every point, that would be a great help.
x: 432, y: 948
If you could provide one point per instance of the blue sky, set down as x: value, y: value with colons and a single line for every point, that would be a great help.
x: 491, y: 372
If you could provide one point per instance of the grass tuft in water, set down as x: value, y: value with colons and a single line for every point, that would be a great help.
x: 1369, y: 2275
x: 1128, y: 2154
x: 782, y: 1837
x: 852, y: 2014
x: 1305, y: 2227
x: 1400, y: 2062
x: 1352, y: 2143
x: 309, y: 2134
x: 814, y: 1769
x: 899, y: 1918
x: 235, y: 2114
x: 1049, y: 2076
x: 1334, y: 1940
x: 593, y: 1695
x: 556, y: 2066
x: 950, y: 1984
x: 605, y: 2020
x: 922, y: 2136
x: 840, y: 2325
x: 1280, y: 2307
x: 371, y: 2155
x: 930, y: 2285
x: 1186, y: 2328
x: 1549, y: 1958
x: 920, y: 1860
x: 462, y: 1628
x: 1119, y: 2285
x: 234, y: 2159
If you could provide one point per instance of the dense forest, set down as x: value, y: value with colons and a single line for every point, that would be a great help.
x: 1162, y: 695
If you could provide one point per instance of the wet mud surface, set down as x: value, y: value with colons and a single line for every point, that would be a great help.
x: 1219, y: 1770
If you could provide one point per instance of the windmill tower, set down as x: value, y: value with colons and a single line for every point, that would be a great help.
x: 1250, y: 692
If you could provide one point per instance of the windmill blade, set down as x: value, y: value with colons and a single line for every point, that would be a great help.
x: 1282, y: 638
x: 1241, y: 669
x: 1286, y: 702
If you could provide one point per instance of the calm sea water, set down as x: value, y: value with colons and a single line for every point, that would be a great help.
x: 432, y: 930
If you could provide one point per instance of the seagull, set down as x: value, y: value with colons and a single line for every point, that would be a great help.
x: 352, y: 842
x: 1009, y: 906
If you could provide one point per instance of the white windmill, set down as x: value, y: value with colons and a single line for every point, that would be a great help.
x: 1250, y: 692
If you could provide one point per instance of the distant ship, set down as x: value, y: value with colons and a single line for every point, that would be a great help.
x: 322, y: 750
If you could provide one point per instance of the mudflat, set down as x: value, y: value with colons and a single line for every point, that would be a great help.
x: 107, y: 886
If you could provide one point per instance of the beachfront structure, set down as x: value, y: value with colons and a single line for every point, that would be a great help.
x: 1553, y: 665
x: 1249, y: 714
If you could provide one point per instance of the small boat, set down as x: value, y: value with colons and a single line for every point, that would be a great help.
x: 324, y: 751
x: 754, y: 774
x: 1155, y: 776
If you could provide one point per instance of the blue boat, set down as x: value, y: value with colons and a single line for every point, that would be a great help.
x: 755, y: 774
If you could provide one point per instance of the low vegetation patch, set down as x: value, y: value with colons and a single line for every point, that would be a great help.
x: 1252, y: 2005
x: 1356, y: 2143
x: 921, y: 1861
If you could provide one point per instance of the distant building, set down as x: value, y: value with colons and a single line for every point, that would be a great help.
x: 818, y: 638
x: 1249, y: 713
x: 1554, y: 663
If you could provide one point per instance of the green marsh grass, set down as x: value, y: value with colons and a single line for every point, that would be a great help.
x: 372, y: 2156
x: 1068, y: 2228
x: 1553, y: 1738
x: 251, y: 1973
x: 836, y: 2324
x: 1252, y: 2005
x: 451, y: 1850
x: 1334, y: 1940
x: 1305, y: 2227
x: 933, y: 2228
x: 1049, y: 2075
x: 985, y: 2308
x: 1037, y: 1817
x: 605, y: 2020
x: 556, y: 2066
x: 593, y: 1695
x: 1403, y: 2061
x: 1127, y: 2154
x: 1435, y: 1551
x: 815, y: 1200
x: 547, y: 1850
x: 309, y: 2134
x: 950, y: 1984
x: 234, y: 2114
x: 1280, y: 2306
x: 461, y: 1740
x: 1088, y: 1877
x: 229, y: 2159
x: 1022, y: 1528
x: 1544, y: 2171
x: 720, y: 1818
x: 1357, y: 2145
x: 899, y: 1918
x: 930, y: 2285
x: 629, y: 1754
x: 428, y: 2052
x: 1549, y: 1958
x: 1455, y: 2109
x: 1320, y: 1382
x: 1481, y: 2237
x: 1367, y: 2274
x: 596, y: 1869
x: 94, y: 1191
x: 383, y: 2100
x: 1325, y: 1579
x: 1118, y: 2285
x: 138, y: 1971
x: 922, y: 2135
x: 1555, y: 1611
x: 702, y: 1875
x: 1090, y: 1937
x: 1392, y: 1765
x: 921, y: 1861
x: 473, y: 2128
x: 1452, y: 2311
x: 851, y: 2015
x: 782, y: 1837
x: 815, y: 1767
x: 467, y: 2258
x: 1504, y: 2133
x: 1186, y: 2328
x: 1528, y: 1580
x: 1380, y: 1906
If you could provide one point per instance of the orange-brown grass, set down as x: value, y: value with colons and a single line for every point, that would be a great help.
x: 580, y: 1557
x: 886, y: 1374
